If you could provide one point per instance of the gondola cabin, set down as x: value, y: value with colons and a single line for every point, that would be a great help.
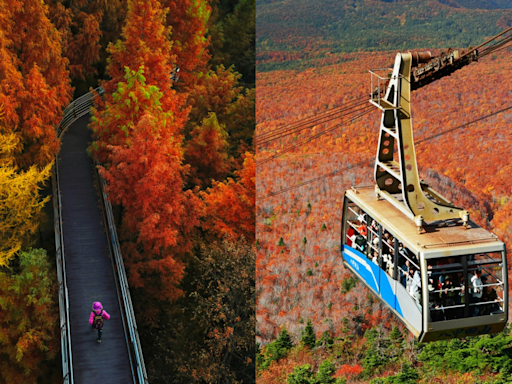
x: 448, y: 281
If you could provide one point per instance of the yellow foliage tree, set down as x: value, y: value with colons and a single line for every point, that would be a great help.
x: 20, y: 203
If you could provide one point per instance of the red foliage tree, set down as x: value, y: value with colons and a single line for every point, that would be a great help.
x: 348, y: 371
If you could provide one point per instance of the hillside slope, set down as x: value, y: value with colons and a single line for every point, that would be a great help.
x: 329, y: 27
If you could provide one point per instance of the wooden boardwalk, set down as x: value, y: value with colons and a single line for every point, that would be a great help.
x: 89, y: 272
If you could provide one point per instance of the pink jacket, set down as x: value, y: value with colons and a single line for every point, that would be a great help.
x: 105, y: 315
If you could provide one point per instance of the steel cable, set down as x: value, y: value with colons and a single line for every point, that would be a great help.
x: 368, y: 161
x: 365, y: 110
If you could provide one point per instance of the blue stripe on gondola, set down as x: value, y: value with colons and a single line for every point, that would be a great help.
x: 368, y: 271
x: 375, y: 277
x: 397, y: 307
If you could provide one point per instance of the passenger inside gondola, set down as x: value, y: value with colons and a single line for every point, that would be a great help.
x: 414, y: 286
x: 448, y: 298
x: 476, y: 291
x: 491, y: 297
x: 404, y: 272
x: 362, y: 229
x: 360, y: 242
x: 388, y: 238
x: 375, y: 258
x: 374, y: 226
x: 350, y: 236
x: 454, y: 296
x: 461, y: 299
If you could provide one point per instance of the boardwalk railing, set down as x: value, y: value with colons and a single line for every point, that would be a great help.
x: 65, y: 335
x: 134, y: 347
x: 78, y: 108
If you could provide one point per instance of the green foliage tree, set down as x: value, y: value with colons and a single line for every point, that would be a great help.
x: 29, y: 322
x: 395, y: 333
x: 308, y: 336
x: 474, y: 354
x: 301, y: 375
x: 277, y: 349
x: 326, y: 340
x: 375, y: 356
x: 347, y: 284
x: 234, y: 37
x: 240, y: 119
x: 304, y: 375
x: 408, y: 376
x: 325, y: 372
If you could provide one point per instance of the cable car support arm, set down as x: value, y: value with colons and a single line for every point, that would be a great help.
x: 396, y: 171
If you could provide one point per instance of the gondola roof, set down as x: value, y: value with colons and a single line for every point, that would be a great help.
x: 438, y: 236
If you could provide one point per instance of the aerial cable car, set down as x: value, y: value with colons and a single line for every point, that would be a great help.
x: 441, y: 274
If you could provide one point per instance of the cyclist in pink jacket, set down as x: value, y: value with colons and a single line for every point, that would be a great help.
x: 98, y: 314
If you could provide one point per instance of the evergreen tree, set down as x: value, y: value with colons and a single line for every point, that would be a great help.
x: 301, y: 375
x: 325, y: 372
x: 284, y: 341
x: 395, y: 334
x: 277, y: 349
x: 308, y: 336
x: 326, y: 340
x: 233, y: 38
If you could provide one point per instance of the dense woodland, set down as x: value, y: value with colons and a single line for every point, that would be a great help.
x: 176, y: 118
x: 315, y: 322
x: 292, y: 37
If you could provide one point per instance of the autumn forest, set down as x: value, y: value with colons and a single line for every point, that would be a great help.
x: 176, y: 119
x: 228, y: 207
x: 316, y: 323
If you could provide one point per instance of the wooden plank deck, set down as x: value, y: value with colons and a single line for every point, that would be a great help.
x: 88, y: 267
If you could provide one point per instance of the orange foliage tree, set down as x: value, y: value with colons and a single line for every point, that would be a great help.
x: 188, y: 20
x: 145, y: 176
x: 144, y: 44
x: 79, y: 24
x: 34, y: 82
x: 206, y: 152
x: 230, y: 205
x: 145, y: 41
